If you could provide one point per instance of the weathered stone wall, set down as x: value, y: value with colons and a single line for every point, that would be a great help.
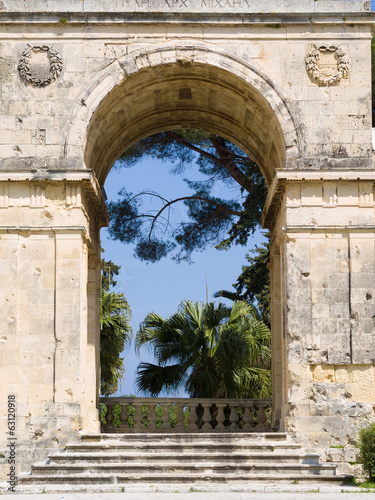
x: 47, y: 279
x: 81, y: 83
x: 326, y: 240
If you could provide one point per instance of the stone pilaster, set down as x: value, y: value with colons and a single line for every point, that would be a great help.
x: 324, y: 229
x: 49, y: 327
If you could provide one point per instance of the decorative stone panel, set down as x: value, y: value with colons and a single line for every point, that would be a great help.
x: 40, y: 65
x: 327, y: 64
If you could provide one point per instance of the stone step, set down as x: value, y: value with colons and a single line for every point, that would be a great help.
x: 162, y: 447
x: 186, y: 469
x: 181, y: 458
x: 196, y: 479
x: 186, y: 437
x: 144, y: 457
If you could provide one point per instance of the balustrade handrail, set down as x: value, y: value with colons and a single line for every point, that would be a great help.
x: 137, y: 414
x: 131, y: 399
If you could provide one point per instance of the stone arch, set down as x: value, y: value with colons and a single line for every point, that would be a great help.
x: 186, y: 86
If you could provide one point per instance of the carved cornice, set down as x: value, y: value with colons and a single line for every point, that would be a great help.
x: 270, y: 21
x: 364, y: 178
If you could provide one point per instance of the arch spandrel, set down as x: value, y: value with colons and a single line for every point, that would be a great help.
x: 189, y: 86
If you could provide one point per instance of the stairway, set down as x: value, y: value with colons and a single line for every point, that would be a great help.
x: 199, y: 458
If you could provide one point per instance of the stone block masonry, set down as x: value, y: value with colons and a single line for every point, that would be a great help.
x: 290, y: 83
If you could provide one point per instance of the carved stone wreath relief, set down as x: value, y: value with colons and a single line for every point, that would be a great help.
x: 327, y: 65
x: 367, y: 5
x: 40, y: 65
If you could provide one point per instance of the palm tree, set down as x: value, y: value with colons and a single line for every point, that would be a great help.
x: 115, y: 332
x: 213, y: 351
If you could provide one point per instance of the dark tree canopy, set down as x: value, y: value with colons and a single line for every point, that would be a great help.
x: 109, y: 271
x: 210, y: 220
x: 253, y: 284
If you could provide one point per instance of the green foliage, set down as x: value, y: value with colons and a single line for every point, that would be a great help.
x: 159, y: 414
x: 145, y: 413
x: 103, y: 413
x: 369, y: 486
x: 116, y: 412
x: 130, y: 410
x: 185, y: 421
x: 115, y: 333
x: 173, y: 410
x: 213, y: 351
x: 209, y: 218
x: 109, y: 271
x: 253, y: 284
x: 367, y: 450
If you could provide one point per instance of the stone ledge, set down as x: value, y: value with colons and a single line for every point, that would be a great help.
x: 120, y: 6
x: 268, y: 20
x: 282, y: 177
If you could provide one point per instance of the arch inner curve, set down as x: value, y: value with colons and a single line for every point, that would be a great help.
x: 190, y: 95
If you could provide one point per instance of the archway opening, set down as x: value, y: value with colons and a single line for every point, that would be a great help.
x: 158, y: 209
x: 188, y: 96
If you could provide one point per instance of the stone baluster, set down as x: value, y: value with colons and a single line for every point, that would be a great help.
x: 165, y: 417
x: 233, y: 418
x: 138, y: 427
x: 193, y: 427
x: 261, y: 418
x: 248, y: 417
x: 179, y: 427
x: 152, y: 418
x: 206, y: 417
x: 122, y: 417
x: 109, y: 417
x: 220, y: 417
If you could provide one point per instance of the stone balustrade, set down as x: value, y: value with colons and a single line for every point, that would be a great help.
x: 124, y: 415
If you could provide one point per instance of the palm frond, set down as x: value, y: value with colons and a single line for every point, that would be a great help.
x: 216, y: 350
x: 152, y: 379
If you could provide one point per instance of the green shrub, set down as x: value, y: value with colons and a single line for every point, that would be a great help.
x: 367, y: 450
x: 185, y: 422
x: 173, y: 411
x: 130, y: 410
x: 103, y: 413
x: 159, y: 413
x: 145, y: 413
x: 116, y: 412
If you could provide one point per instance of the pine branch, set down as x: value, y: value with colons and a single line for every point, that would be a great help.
x: 226, y: 210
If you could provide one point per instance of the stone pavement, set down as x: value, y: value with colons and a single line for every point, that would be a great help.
x: 217, y: 492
